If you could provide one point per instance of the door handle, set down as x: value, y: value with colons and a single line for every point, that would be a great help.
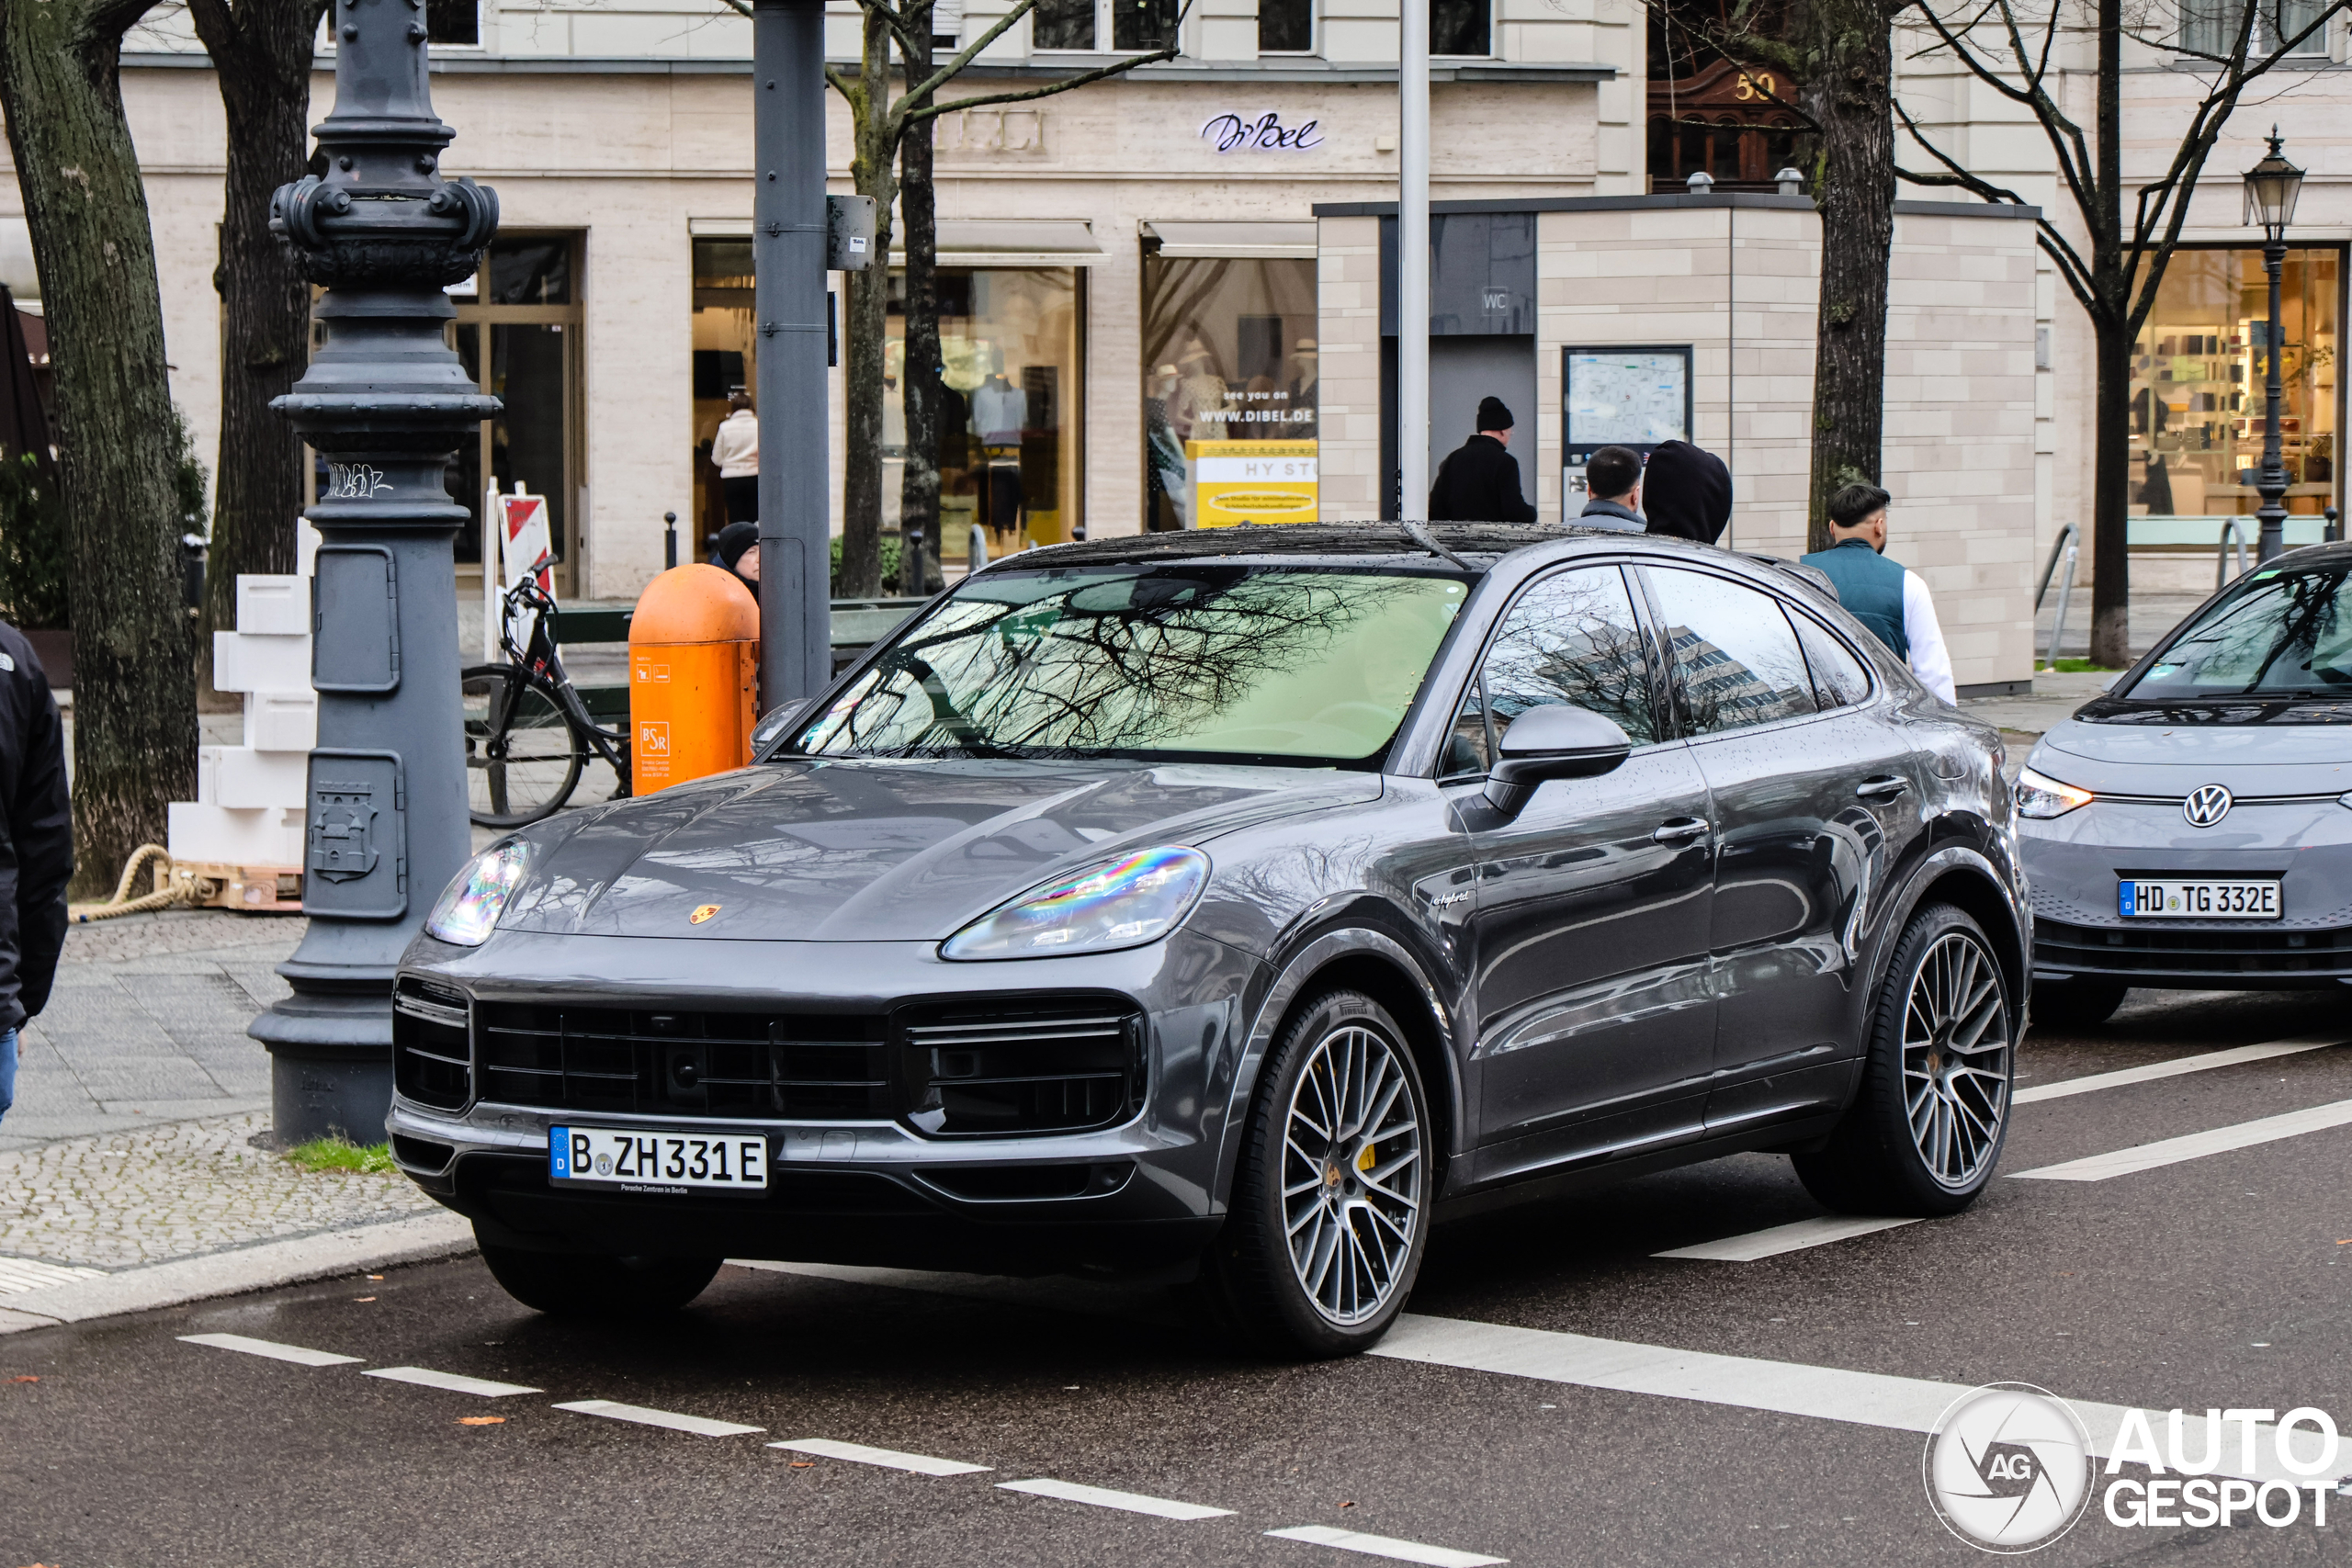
x: 1884, y: 788
x: 1680, y: 831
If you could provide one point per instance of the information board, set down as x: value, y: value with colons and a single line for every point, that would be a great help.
x: 1632, y: 396
x: 1251, y: 481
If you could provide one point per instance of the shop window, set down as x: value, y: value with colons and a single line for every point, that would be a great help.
x: 1285, y: 27
x: 453, y: 22
x: 2197, y: 385
x: 1461, y: 26
x: 1229, y: 356
x: 1010, y: 447
x: 726, y: 355
x: 518, y: 333
x: 2211, y: 27
x: 1130, y: 25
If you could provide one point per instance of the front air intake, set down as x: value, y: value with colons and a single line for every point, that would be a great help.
x: 432, y: 1046
x: 998, y: 1069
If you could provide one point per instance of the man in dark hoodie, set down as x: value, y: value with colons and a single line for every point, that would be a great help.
x: 1686, y: 492
x: 36, y: 845
x: 1478, y: 481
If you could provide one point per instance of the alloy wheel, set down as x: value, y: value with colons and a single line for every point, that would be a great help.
x: 1352, y: 1173
x: 1956, y: 1064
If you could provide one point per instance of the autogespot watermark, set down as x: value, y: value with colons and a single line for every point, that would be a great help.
x: 2009, y: 1468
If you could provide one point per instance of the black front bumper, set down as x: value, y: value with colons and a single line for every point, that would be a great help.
x: 2194, y: 958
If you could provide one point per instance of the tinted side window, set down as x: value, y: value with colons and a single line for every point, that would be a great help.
x: 1735, y: 660
x: 1839, y: 679
x: 1570, y: 639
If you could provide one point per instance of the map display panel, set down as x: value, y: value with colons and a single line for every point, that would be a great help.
x: 1628, y: 398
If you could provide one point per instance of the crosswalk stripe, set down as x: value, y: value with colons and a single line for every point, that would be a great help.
x: 1792, y: 1238
x: 2175, y: 1068
x: 1386, y: 1546
x: 1102, y: 1497
x: 299, y: 1355
x: 455, y: 1383
x: 18, y: 1275
x: 1786, y: 1388
x: 700, y: 1425
x: 890, y: 1458
x: 2194, y: 1146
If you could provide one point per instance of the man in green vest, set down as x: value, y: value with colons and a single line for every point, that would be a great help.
x: 1893, y: 602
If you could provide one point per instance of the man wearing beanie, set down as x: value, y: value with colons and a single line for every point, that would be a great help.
x: 1686, y: 492
x: 1478, y: 481
x: 1893, y: 602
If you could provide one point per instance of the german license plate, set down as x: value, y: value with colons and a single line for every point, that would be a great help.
x: 633, y: 1160
x: 2142, y: 898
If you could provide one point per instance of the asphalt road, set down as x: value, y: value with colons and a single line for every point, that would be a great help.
x: 2215, y: 1282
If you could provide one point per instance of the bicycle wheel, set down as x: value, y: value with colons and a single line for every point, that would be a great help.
x: 522, y: 759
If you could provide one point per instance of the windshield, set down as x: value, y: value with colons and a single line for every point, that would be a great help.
x: 1202, y: 659
x: 2285, y: 634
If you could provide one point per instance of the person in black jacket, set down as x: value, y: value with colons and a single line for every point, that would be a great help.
x: 36, y: 845
x: 1478, y: 481
x: 1686, y: 492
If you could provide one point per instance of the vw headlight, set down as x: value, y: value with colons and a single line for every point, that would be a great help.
x: 469, y: 906
x: 2041, y: 796
x: 1121, y: 903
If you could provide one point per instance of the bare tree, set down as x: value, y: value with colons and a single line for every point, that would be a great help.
x: 2112, y: 265
x: 85, y: 205
x: 879, y: 121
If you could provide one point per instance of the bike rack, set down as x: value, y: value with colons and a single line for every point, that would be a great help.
x: 2068, y: 547
x: 2230, y: 535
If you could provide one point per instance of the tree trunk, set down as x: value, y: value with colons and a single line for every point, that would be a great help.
x: 1849, y: 94
x: 873, y: 172
x: 134, y: 698
x: 918, y: 386
x: 2111, y: 429
x: 260, y: 53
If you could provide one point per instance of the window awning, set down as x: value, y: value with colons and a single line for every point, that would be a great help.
x: 972, y: 241
x: 1234, y: 241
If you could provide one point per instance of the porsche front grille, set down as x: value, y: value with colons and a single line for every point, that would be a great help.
x: 678, y: 1063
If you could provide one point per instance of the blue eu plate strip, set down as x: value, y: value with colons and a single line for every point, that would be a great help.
x: 559, y: 1148
x: 2127, y: 902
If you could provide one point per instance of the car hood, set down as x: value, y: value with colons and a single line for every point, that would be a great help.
x: 2251, y: 760
x: 882, y: 850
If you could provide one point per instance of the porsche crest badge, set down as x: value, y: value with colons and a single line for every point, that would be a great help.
x: 701, y: 914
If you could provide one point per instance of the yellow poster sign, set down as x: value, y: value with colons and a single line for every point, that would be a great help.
x: 1251, y: 481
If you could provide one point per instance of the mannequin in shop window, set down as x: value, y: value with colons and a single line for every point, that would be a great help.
x: 1164, y: 457
x: 999, y: 411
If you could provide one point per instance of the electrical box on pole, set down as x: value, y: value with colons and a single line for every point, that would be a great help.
x: 849, y: 233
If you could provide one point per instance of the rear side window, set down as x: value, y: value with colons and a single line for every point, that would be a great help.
x: 1735, y: 661
x: 1570, y: 639
x: 1839, y: 679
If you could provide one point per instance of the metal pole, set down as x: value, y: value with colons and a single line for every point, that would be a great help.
x: 2065, y: 593
x: 669, y: 541
x: 788, y: 261
x: 2272, y: 480
x: 385, y: 403
x: 1413, y: 259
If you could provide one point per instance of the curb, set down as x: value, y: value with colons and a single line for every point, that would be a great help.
x: 421, y: 1239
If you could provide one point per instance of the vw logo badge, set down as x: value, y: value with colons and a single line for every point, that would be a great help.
x: 2206, y: 806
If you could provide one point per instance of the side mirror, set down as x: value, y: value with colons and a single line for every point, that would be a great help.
x: 774, y: 725
x: 1554, y: 741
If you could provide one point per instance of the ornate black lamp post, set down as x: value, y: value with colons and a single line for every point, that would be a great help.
x: 2272, y: 188
x: 385, y: 403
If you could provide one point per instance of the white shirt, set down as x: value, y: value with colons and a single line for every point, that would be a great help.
x: 736, y: 445
x: 1930, y: 661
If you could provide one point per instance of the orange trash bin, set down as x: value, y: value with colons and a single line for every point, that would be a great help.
x: 694, y: 675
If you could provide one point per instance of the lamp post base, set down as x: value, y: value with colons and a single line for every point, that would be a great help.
x: 330, y: 1058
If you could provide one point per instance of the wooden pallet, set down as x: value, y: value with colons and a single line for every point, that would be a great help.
x: 248, y: 889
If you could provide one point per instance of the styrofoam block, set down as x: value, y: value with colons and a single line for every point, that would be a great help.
x: 306, y: 547
x: 244, y: 662
x: 282, y: 721
x: 246, y: 778
x: 238, y: 837
x: 273, y: 606
x: 207, y: 775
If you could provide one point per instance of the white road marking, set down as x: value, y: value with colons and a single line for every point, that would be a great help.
x: 2194, y: 1146
x: 2173, y: 1068
x: 1786, y: 1388
x: 700, y: 1425
x: 18, y: 1275
x: 1133, y: 1503
x: 1794, y: 1237
x: 889, y: 1459
x: 297, y: 1354
x: 455, y: 1382
x: 1386, y: 1546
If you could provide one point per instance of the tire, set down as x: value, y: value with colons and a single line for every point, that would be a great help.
x: 522, y: 759
x: 1319, y: 1268
x: 1925, y: 1134
x: 2082, y: 1003
x: 579, y: 1284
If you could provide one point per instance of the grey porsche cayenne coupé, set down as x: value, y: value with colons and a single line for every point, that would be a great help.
x: 1225, y: 908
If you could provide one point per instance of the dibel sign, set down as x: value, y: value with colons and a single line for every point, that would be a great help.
x: 1267, y: 133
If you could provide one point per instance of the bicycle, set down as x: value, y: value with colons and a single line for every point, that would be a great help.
x: 527, y: 733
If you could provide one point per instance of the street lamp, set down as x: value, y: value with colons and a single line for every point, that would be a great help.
x: 385, y: 403
x: 2272, y: 188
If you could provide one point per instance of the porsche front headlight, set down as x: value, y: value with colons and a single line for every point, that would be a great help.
x: 2041, y: 796
x: 469, y: 908
x: 1123, y: 903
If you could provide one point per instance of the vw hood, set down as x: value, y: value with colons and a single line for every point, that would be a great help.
x: 880, y: 850
x: 2250, y: 760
